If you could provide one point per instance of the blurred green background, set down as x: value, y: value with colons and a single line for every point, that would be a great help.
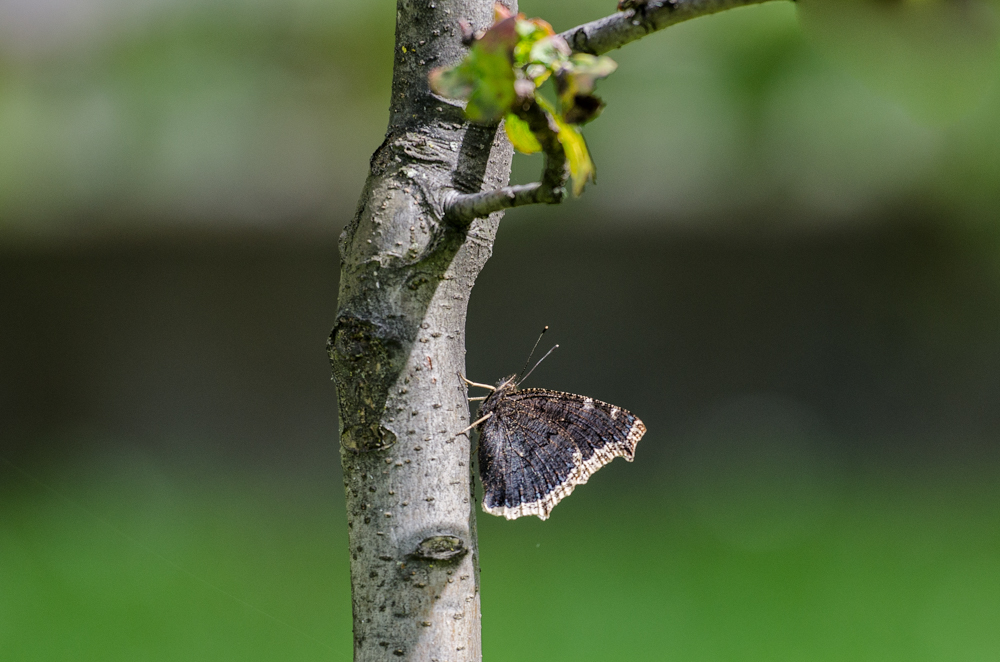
x: 789, y: 268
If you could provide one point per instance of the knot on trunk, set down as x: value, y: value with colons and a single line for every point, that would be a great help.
x: 441, y: 548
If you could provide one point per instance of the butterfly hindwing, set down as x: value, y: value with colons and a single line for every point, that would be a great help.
x: 538, y: 445
x: 596, y: 427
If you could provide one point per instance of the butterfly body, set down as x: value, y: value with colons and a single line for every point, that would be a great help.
x: 537, y: 445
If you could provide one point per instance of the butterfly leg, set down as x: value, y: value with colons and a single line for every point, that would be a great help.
x: 492, y: 388
x: 474, y: 424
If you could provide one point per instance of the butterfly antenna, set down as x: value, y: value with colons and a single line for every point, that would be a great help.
x: 532, y: 353
x: 554, y: 348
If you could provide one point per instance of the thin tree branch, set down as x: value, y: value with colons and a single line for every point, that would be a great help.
x: 462, y: 208
x: 611, y: 32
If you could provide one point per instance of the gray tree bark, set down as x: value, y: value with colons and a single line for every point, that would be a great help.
x: 398, y: 344
x: 398, y: 347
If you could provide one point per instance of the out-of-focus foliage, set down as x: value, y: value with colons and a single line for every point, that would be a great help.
x: 753, y: 118
x: 140, y: 565
x: 937, y: 57
x: 124, y: 115
x: 204, y: 113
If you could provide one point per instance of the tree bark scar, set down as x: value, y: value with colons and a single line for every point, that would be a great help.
x: 441, y: 548
x: 366, y: 362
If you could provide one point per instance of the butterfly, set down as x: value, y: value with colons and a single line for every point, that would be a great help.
x: 537, y: 445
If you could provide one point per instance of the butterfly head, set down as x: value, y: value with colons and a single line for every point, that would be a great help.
x: 503, y: 388
x: 506, y: 385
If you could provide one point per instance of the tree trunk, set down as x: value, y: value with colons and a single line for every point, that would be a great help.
x: 397, y: 349
x: 409, y: 259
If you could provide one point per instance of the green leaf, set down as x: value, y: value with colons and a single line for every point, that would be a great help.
x: 587, y: 69
x: 550, y: 51
x: 491, y: 62
x: 452, y: 82
x: 530, y: 33
x: 520, y: 135
x: 485, y: 77
x: 511, y: 60
x: 575, y: 83
x: 581, y: 167
x: 533, y: 28
x: 537, y: 73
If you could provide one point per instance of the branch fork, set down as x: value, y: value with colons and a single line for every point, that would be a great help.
x: 462, y: 208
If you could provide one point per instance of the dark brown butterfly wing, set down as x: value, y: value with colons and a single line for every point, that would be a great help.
x: 538, y: 445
